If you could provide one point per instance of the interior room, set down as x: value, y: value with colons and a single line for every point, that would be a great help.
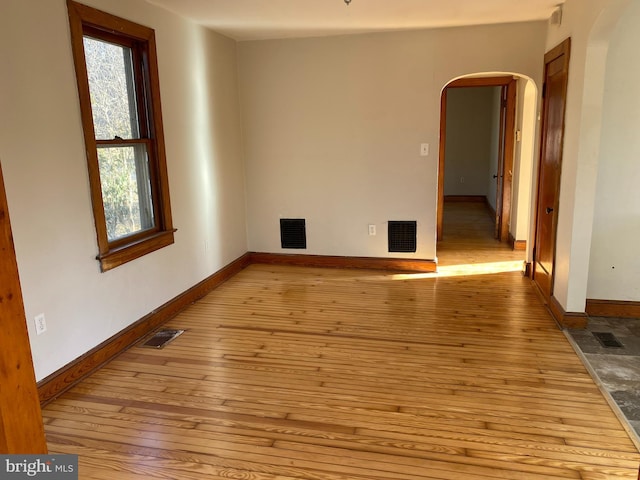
x: 386, y: 232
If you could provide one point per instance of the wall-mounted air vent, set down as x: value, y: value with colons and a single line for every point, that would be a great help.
x: 402, y: 236
x: 293, y: 233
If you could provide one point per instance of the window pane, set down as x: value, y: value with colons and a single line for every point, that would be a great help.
x: 126, y: 190
x: 111, y: 85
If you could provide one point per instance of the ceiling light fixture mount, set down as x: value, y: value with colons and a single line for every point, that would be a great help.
x: 347, y: 2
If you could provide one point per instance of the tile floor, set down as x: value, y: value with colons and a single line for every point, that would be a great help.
x: 616, y: 369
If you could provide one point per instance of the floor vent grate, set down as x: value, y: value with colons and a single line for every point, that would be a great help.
x: 161, y: 338
x: 607, y: 340
x: 402, y: 236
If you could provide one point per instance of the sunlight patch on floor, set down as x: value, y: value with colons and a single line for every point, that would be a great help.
x: 465, y: 270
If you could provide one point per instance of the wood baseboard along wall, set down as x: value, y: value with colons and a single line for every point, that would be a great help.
x: 566, y: 319
x: 63, y: 379
x: 368, y: 263
x: 519, y: 245
x: 466, y: 198
x: 613, y: 308
x: 60, y: 381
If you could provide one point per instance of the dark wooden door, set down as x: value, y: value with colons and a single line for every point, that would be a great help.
x: 552, y: 137
x: 21, y: 428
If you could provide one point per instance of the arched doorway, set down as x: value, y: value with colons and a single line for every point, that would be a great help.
x: 512, y: 170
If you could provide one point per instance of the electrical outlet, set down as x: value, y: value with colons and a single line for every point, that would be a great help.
x: 372, y: 230
x: 41, y: 324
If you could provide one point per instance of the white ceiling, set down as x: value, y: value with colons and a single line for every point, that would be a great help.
x: 262, y: 19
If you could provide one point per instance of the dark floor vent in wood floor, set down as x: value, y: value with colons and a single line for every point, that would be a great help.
x: 161, y: 338
x: 607, y: 340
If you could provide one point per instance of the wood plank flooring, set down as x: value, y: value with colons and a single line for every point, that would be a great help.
x: 468, y: 232
x: 319, y: 374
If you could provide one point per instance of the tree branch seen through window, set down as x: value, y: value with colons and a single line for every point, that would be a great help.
x: 118, y: 86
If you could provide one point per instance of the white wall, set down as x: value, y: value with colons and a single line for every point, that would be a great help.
x: 614, y: 268
x: 589, y: 24
x: 471, y: 138
x: 333, y: 126
x: 525, y: 159
x: 42, y: 154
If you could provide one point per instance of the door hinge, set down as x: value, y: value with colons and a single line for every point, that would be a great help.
x: 544, y: 90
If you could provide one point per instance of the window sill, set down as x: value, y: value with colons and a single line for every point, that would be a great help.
x: 126, y: 253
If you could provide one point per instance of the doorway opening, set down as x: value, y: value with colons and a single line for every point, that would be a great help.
x: 487, y: 143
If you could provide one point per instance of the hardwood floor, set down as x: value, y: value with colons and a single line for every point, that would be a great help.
x: 468, y: 236
x: 323, y: 374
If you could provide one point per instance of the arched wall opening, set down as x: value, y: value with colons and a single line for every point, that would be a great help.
x: 521, y: 173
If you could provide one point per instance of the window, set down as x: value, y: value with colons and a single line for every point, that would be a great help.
x: 117, y: 75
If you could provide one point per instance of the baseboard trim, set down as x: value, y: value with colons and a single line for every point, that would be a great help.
x: 63, y: 379
x: 60, y: 381
x: 613, y: 308
x: 324, y: 261
x: 517, y: 244
x: 465, y: 198
x: 566, y: 319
